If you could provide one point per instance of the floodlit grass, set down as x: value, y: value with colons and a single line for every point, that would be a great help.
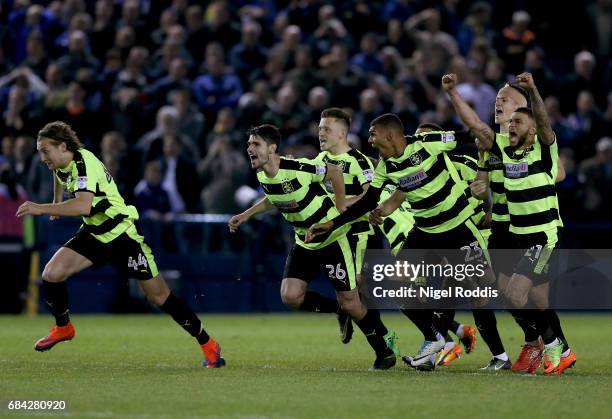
x: 286, y: 366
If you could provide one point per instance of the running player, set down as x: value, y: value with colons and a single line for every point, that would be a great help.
x: 438, y: 199
x: 108, y: 235
x: 295, y: 187
x: 509, y: 98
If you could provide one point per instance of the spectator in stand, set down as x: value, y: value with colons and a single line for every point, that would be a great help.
x: 495, y: 74
x: 303, y: 76
x: 583, y: 78
x: 366, y: 61
x: 103, y: 32
x: 180, y: 178
x: 369, y: 108
x: 254, y: 105
x: 220, y: 26
x: 197, y: 32
x: 77, y: 57
x: 399, y: 39
x: 176, y: 79
x: 405, y: 108
x: 123, y: 164
x: 559, y: 123
x: 21, y: 158
x: 516, y: 39
x: 586, y: 122
x: 536, y: 65
x: 249, y: 57
x: 36, y: 58
x: 286, y: 112
x: 596, y: 175
x: 218, y: 87
x: 152, y: 144
x: 478, y: 93
x: 190, y: 120
x: 437, y: 47
x: 150, y: 197
x: 225, y: 125
x: 475, y: 25
x: 222, y: 171
x: 168, y: 18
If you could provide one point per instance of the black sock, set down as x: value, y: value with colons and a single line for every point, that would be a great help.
x: 56, y: 297
x: 543, y: 325
x: 487, y: 326
x: 381, y: 329
x: 317, y: 303
x: 455, y: 326
x: 442, y: 320
x: 185, y: 317
x: 423, y: 320
x: 524, y: 318
x: 555, y: 324
x: 369, y: 325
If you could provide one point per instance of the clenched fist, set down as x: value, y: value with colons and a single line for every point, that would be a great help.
x: 449, y: 82
x: 525, y: 80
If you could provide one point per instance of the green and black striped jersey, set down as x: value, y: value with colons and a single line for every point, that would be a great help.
x: 398, y: 224
x: 491, y: 162
x: 529, y: 181
x: 357, y: 170
x: 298, y: 193
x: 439, y: 201
x: 467, y: 168
x: 109, y: 216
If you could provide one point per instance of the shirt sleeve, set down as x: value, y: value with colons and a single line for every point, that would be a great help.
x: 86, y: 177
x: 316, y: 169
x: 380, y: 175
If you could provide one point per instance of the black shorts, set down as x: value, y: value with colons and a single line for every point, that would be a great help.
x: 503, y: 246
x: 128, y: 254
x: 466, y: 239
x: 336, y: 261
x: 538, y: 256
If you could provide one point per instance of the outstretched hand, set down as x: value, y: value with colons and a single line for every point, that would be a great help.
x: 317, y: 230
x: 235, y: 222
x: 29, y: 208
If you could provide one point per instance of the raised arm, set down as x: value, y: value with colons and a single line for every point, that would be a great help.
x: 470, y: 118
x: 543, y: 128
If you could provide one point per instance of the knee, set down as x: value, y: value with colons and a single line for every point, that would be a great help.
x: 158, y: 298
x: 292, y: 298
x: 517, y: 299
x: 54, y: 272
x: 349, y: 305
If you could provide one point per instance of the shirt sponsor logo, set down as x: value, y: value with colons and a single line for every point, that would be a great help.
x: 494, y: 160
x: 516, y: 170
x: 448, y: 137
x: 285, y: 205
x: 412, y: 181
x: 82, y: 182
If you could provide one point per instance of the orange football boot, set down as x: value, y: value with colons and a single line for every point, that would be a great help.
x: 56, y: 335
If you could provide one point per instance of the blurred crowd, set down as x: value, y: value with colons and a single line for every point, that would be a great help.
x: 164, y: 90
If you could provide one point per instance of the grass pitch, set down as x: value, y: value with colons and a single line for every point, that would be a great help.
x: 286, y: 366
